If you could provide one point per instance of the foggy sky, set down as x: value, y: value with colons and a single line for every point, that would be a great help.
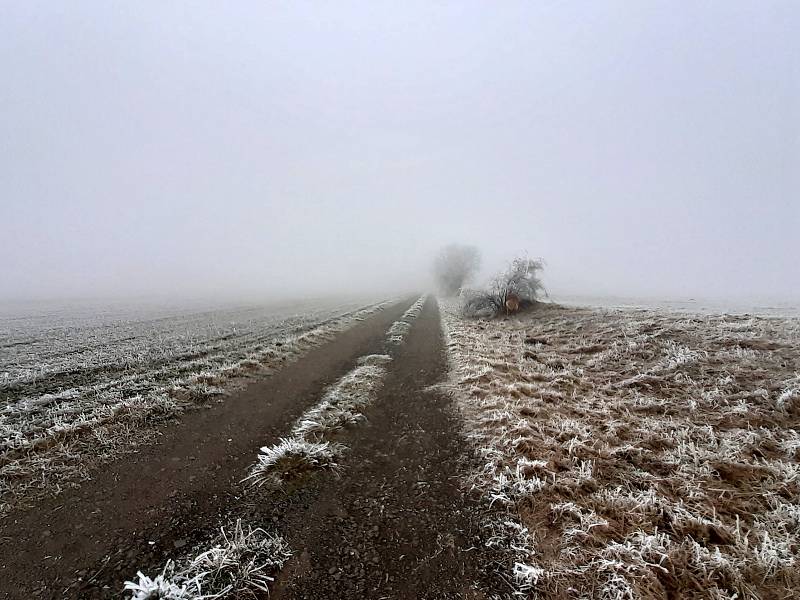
x: 274, y: 148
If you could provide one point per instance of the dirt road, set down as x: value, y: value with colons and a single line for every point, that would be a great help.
x: 394, y: 525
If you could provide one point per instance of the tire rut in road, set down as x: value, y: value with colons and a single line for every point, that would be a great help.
x: 396, y: 524
x: 85, y: 542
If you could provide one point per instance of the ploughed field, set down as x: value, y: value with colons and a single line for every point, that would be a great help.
x: 635, y: 453
x: 80, y: 384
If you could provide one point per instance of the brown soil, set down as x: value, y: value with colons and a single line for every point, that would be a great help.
x: 394, y: 525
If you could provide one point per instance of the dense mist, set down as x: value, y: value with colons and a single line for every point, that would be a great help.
x: 271, y: 149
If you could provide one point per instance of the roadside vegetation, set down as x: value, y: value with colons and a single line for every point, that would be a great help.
x: 518, y: 287
x: 633, y: 453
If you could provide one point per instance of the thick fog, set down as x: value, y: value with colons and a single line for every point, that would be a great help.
x: 272, y: 148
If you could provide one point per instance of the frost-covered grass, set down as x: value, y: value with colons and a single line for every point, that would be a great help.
x: 307, y: 449
x: 343, y: 403
x: 291, y: 458
x: 240, y: 564
x: 635, y: 453
x: 400, y: 328
x: 78, y: 390
x: 246, y: 562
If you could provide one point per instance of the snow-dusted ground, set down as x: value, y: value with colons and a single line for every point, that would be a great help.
x: 709, y: 306
x: 49, y: 348
x: 81, y: 379
x: 309, y: 448
x: 636, y: 453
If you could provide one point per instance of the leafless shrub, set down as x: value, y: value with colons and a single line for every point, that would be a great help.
x: 519, y: 286
x: 520, y: 278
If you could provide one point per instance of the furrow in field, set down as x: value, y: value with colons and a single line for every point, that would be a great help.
x: 44, y: 440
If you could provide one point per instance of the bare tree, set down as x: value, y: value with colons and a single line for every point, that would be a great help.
x: 519, y: 283
x: 454, y: 266
x: 521, y: 280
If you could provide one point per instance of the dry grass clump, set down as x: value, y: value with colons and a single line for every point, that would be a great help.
x: 49, y: 433
x: 239, y: 565
x: 342, y: 405
x: 636, y: 454
x: 291, y: 459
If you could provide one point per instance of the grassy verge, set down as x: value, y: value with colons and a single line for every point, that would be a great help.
x: 635, y: 454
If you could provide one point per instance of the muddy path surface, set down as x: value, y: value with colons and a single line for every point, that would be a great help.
x: 394, y: 524
x: 167, y: 493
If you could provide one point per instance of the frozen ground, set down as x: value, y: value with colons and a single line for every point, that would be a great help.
x: 290, y: 460
x: 81, y: 380
x: 636, y: 453
x: 46, y: 347
x: 756, y: 306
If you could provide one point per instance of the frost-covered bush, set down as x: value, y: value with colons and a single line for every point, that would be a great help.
x: 520, y: 280
x: 479, y: 304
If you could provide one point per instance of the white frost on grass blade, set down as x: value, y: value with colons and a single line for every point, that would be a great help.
x: 651, y: 450
x: 790, y: 394
x: 400, y: 328
x: 343, y: 403
x: 163, y: 586
x: 527, y: 576
x: 240, y: 563
x: 290, y: 459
